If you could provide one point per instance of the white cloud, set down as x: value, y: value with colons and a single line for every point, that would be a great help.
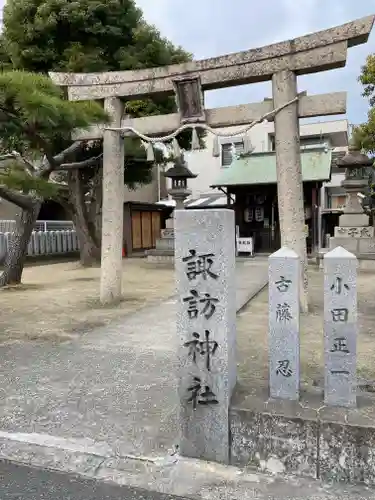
x: 210, y: 28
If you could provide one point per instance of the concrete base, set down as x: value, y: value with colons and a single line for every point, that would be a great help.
x: 163, y: 259
x: 354, y: 245
x: 348, y: 219
x: 305, y: 438
x: 165, y: 244
x: 164, y: 251
x: 158, y: 255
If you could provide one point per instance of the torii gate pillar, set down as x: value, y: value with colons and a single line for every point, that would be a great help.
x: 113, y: 206
x: 289, y: 173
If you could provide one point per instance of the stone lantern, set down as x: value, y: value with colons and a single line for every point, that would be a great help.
x: 353, y: 232
x: 356, y: 165
x: 179, y: 174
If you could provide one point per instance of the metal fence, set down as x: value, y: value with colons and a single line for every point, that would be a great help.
x: 44, y: 242
x: 8, y: 226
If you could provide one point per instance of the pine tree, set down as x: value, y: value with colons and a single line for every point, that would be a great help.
x: 86, y: 36
x: 33, y: 115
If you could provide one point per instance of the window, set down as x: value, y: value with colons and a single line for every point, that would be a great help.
x: 337, y: 201
x: 317, y: 140
x: 229, y: 150
x: 306, y: 141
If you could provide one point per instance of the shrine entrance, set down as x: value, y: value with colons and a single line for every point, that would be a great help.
x: 281, y: 63
x: 257, y: 216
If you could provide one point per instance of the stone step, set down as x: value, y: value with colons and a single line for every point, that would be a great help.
x: 165, y: 244
x: 164, y: 255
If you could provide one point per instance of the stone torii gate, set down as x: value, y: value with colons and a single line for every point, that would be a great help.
x: 281, y: 62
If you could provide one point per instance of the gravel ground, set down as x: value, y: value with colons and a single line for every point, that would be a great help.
x: 61, y: 301
x: 252, y: 331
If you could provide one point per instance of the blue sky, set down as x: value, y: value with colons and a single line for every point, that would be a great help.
x: 209, y: 28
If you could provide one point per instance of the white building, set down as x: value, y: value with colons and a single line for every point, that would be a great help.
x: 231, y: 173
x: 208, y: 168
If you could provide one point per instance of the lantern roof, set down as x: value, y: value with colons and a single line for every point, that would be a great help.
x: 354, y: 158
x: 180, y: 170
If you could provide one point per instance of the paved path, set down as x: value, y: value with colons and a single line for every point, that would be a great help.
x: 110, y: 394
x: 104, y: 407
x: 252, y: 277
x: 25, y: 483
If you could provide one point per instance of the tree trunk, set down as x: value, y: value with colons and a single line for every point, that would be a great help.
x: 89, y: 240
x: 94, y: 211
x: 89, y: 251
x: 15, y: 259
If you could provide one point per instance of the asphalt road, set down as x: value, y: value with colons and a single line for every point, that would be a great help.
x: 24, y: 483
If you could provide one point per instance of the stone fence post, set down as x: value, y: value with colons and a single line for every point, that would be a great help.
x: 340, y: 327
x: 284, y: 324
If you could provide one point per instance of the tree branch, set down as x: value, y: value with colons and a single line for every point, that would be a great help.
x: 15, y: 155
x: 79, y: 164
x: 29, y: 167
x: 73, y: 148
x: 8, y: 156
x: 96, y: 190
x: 54, y: 163
x: 6, y: 113
x: 19, y: 199
x: 28, y: 130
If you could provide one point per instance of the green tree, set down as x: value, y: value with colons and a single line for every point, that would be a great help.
x: 87, y: 36
x: 364, y: 134
x: 33, y: 116
x: 5, y: 62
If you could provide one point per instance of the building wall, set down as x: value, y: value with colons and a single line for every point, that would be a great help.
x: 8, y: 211
x: 331, y: 190
x: 149, y: 193
x: 208, y: 168
x: 338, y: 201
x: 50, y: 211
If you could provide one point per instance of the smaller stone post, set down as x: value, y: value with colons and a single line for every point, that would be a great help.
x: 284, y: 324
x: 206, y: 330
x: 340, y: 327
